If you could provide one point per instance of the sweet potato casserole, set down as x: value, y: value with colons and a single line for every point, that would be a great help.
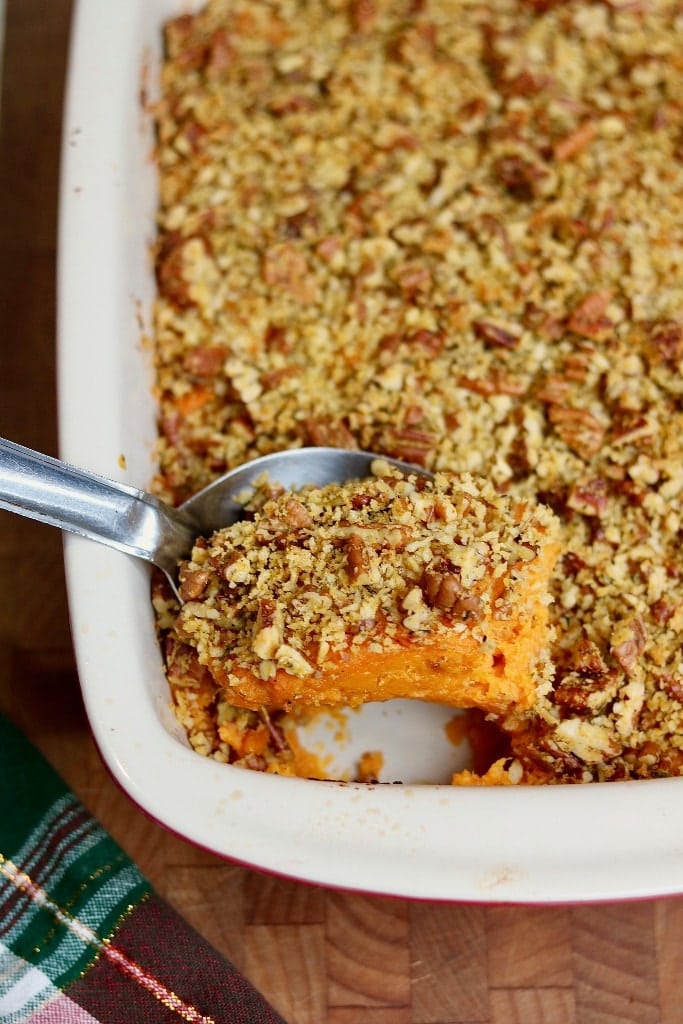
x: 448, y: 231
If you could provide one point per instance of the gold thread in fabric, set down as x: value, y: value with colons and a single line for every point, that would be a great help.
x: 78, y: 894
x: 119, y: 921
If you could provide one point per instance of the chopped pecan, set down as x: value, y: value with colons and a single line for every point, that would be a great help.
x: 388, y: 344
x: 221, y: 53
x: 572, y: 693
x: 183, y: 666
x: 357, y: 557
x: 275, y: 339
x: 362, y: 14
x: 572, y: 563
x: 499, y: 382
x: 267, y: 629
x: 413, y: 279
x: 543, y: 323
x: 524, y: 84
x: 267, y: 610
x: 590, y: 497
x: 173, y: 265
x: 587, y: 659
x: 472, y: 114
x: 296, y: 514
x: 328, y: 433
x: 628, y: 642
x: 495, y: 334
x: 588, y: 318
x: 414, y: 43
x: 254, y: 762
x: 577, y: 365
x: 408, y: 444
x: 413, y: 415
x: 193, y: 584
x: 292, y: 103
x: 275, y: 378
x: 634, y: 493
x: 665, y: 340
x: 519, y: 176
x: 495, y: 228
x: 431, y: 341
x: 518, y: 457
x: 443, y: 590
x: 554, y: 389
x: 673, y: 687
x: 301, y: 225
x: 327, y: 248
x: 181, y: 42
x: 662, y: 610
x: 579, y: 429
x: 575, y: 142
x: 205, y: 360
x: 286, y: 267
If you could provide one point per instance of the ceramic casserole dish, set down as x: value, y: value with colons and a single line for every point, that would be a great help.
x: 512, y: 844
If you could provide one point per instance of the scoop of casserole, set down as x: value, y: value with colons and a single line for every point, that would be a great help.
x: 393, y: 586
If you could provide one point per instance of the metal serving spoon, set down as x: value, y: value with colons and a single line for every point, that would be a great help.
x: 133, y: 521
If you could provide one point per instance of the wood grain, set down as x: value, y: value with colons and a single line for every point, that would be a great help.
x: 321, y: 957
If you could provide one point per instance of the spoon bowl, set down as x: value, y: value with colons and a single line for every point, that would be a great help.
x: 133, y: 521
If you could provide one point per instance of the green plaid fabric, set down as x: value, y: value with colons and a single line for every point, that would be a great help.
x: 83, y: 936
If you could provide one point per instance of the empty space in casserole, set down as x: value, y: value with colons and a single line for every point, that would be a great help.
x: 450, y: 232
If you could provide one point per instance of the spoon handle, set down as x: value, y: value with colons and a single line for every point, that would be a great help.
x: 40, y: 487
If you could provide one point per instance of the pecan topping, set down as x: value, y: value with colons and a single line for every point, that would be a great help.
x: 496, y: 335
x: 499, y: 382
x: 588, y: 318
x: 356, y: 556
x: 589, y: 497
x: 579, y: 429
x: 665, y: 338
x: 267, y: 630
x: 174, y: 269
x: 554, y: 389
x: 519, y: 177
x: 587, y: 660
x: 193, y: 582
x: 575, y: 142
x: 408, y: 444
x: 363, y: 14
x: 286, y: 267
x: 443, y: 590
x: 205, y: 360
x: 328, y: 433
x: 413, y: 278
x: 431, y: 341
x: 296, y: 514
x: 628, y: 642
x: 673, y: 686
x: 662, y: 611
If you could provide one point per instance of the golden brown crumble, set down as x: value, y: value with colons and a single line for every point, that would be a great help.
x: 448, y: 231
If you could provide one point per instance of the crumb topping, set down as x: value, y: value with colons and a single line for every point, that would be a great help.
x: 448, y: 231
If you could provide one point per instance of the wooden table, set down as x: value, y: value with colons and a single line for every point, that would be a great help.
x: 321, y: 957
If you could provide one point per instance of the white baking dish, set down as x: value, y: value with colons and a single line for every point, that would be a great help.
x: 562, y: 843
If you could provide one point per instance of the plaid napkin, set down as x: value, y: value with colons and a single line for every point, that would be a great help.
x: 83, y: 936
